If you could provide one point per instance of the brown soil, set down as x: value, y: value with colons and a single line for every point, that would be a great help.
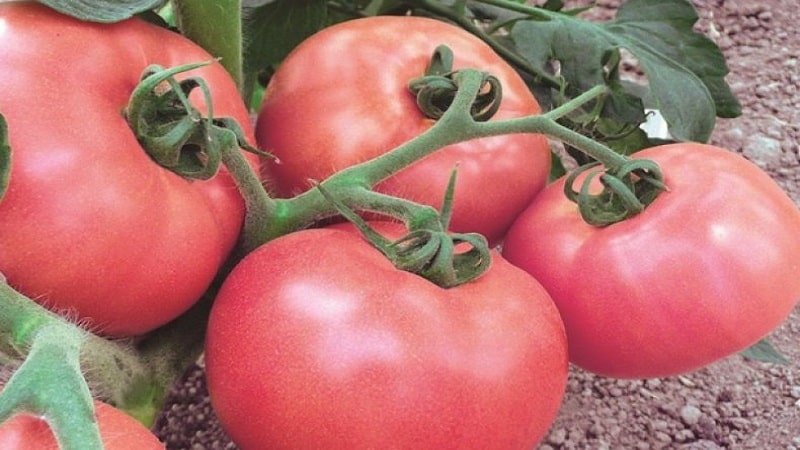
x: 735, y: 403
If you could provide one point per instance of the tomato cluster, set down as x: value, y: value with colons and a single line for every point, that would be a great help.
x: 315, y: 339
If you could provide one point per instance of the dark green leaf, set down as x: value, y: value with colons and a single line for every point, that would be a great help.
x: 659, y: 34
x: 377, y: 7
x: 5, y: 157
x: 764, y: 351
x: 553, y: 5
x: 105, y: 11
x: 273, y: 29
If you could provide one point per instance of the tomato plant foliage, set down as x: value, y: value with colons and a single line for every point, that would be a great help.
x: 343, y: 350
x: 649, y: 30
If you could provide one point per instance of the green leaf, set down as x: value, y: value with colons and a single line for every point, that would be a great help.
x: 685, y: 70
x: 104, y: 11
x: 273, y: 29
x: 764, y: 351
x: 5, y: 157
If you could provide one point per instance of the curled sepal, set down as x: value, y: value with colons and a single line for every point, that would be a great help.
x: 434, y: 256
x: 232, y: 127
x: 5, y: 157
x: 436, y: 89
x: 625, y: 193
x: 172, y: 131
x: 430, y: 252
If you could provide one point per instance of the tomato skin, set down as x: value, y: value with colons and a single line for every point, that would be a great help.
x: 90, y: 223
x: 332, y: 347
x: 341, y: 98
x: 706, y: 270
x: 117, y: 430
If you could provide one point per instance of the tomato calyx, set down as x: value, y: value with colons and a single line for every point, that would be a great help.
x: 428, y: 250
x: 627, y: 190
x: 5, y: 159
x: 436, y: 90
x: 173, y: 132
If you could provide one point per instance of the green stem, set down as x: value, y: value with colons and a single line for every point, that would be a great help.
x: 217, y: 27
x: 50, y: 384
x: 509, y: 55
x: 304, y: 209
x: 114, y: 370
x: 547, y: 124
x: 261, y: 209
x: 528, y: 10
x: 456, y: 125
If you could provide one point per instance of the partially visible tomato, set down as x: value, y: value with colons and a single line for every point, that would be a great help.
x: 90, y: 223
x: 341, y: 98
x: 317, y: 341
x: 118, y: 430
x: 706, y: 270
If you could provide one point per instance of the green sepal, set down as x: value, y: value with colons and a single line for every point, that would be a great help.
x: 173, y: 132
x: 627, y: 191
x: 428, y: 250
x: 436, y: 89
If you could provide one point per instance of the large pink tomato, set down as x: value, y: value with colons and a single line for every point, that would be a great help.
x: 317, y: 341
x: 90, y: 224
x: 341, y: 98
x: 708, y: 269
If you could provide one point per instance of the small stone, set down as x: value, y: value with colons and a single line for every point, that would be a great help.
x: 660, y: 436
x: 557, y: 436
x: 690, y: 415
x: 795, y: 392
x: 595, y: 430
x: 684, y: 435
x: 762, y: 150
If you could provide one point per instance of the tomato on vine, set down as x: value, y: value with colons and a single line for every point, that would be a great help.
x: 342, y: 97
x: 89, y: 223
x: 331, y: 346
x: 706, y: 270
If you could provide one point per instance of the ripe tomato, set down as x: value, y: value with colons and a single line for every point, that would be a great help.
x: 89, y: 222
x: 118, y: 431
x: 709, y: 268
x: 341, y: 98
x: 332, y: 347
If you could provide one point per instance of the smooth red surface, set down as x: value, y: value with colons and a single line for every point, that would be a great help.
x: 317, y: 341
